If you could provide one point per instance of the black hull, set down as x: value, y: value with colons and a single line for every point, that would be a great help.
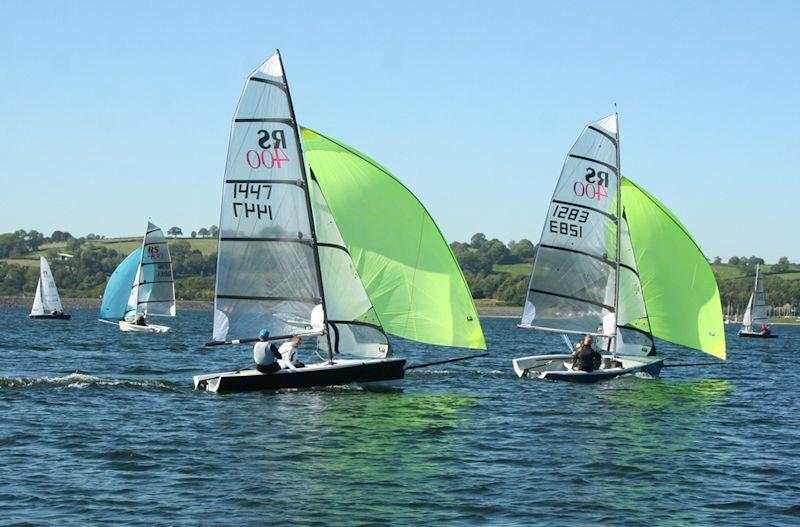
x: 309, y: 377
x: 757, y: 335
x: 51, y: 317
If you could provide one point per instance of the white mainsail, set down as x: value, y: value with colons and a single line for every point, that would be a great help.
x: 572, y: 286
x: 46, y: 299
x: 756, y: 314
x: 153, y: 288
x: 268, y: 272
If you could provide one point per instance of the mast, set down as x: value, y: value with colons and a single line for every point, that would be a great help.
x: 619, y: 239
x: 312, y: 227
x: 138, y: 278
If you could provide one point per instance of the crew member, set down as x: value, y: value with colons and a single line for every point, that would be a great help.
x: 586, y: 358
x: 765, y: 330
x: 265, y: 354
x: 288, y: 351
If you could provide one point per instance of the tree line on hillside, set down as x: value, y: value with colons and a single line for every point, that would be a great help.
x: 86, y: 273
x: 478, y: 259
x: 493, y: 269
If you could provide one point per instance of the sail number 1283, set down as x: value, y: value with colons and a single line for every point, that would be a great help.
x: 570, y: 214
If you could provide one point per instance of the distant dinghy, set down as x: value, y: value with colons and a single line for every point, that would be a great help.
x: 755, y: 316
x: 46, y: 302
x: 142, y: 285
x: 343, y: 253
x: 614, y: 263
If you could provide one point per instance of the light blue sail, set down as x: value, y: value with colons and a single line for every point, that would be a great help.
x: 118, y: 289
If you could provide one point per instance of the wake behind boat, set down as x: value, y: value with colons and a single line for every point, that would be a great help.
x: 46, y: 302
x: 343, y: 253
x: 614, y: 263
x: 755, y: 316
x: 141, y: 286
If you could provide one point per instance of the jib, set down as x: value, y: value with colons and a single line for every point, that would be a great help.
x: 596, y: 176
x: 277, y: 137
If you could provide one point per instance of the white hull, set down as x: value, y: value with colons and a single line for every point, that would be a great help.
x: 150, y: 328
x: 559, y: 367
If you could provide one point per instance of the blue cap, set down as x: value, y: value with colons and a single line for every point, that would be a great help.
x: 264, y: 333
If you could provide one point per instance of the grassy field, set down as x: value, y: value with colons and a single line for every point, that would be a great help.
x: 24, y: 262
x: 513, y: 269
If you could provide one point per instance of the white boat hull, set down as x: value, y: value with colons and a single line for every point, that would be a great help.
x: 559, y: 367
x: 134, y: 328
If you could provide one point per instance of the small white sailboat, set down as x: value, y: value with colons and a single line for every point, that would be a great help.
x: 46, y: 302
x: 755, y: 323
x: 614, y: 263
x: 318, y: 240
x: 141, y: 286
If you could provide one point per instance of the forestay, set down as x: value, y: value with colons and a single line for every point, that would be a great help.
x: 46, y: 299
x: 572, y: 286
x: 267, y: 268
x: 153, y: 288
x: 407, y: 269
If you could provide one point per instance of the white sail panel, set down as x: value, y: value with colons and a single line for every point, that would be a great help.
x: 574, y: 273
x: 759, y: 301
x: 267, y: 274
x: 156, y: 287
x: 352, y: 325
x: 46, y: 299
x: 38, y: 305
x: 747, y: 319
x: 756, y: 314
x: 633, y: 334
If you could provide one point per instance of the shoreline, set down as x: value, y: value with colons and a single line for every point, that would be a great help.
x: 94, y: 303
x: 201, y: 305
x: 207, y: 305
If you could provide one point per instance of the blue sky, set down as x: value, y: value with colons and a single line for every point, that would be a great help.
x: 113, y: 112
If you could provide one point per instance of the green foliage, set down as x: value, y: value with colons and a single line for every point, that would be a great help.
x: 487, y: 264
x: 86, y: 274
x: 19, y: 243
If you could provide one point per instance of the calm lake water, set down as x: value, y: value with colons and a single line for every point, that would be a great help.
x: 100, y: 426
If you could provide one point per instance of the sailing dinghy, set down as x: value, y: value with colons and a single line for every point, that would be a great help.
x: 614, y: 263
x: 141, y: 286
x: 755, y: 316
x: 46, y: 302
x: 318, y: 240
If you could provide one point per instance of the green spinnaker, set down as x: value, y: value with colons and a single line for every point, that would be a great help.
x: 680, y: 291
x: 408, y: 270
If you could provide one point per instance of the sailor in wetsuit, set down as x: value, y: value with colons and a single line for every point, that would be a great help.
x: 265, y: 354
x: 586, y: 358
x: 288, y: 352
